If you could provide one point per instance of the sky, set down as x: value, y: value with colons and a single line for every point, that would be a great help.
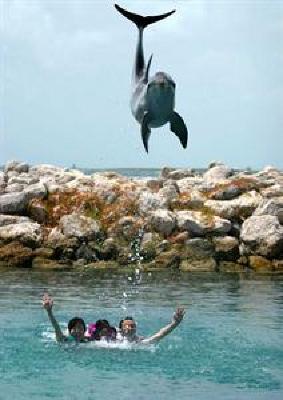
x: 65, y: 85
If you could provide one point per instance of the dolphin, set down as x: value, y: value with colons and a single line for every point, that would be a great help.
x: 153, y: 98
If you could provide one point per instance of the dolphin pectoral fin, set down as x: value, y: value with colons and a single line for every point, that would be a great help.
x: 145, y: 79
x: 145, y: 131
x: 178, y: 126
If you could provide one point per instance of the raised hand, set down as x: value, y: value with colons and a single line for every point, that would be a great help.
x: 179, y: 314
x: 47, y: 302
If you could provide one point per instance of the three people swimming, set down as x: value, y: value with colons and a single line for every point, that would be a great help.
x: 102, y: 330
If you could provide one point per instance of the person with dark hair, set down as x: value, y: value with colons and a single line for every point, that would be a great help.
x: 128, y: 328
x: 103, y: 330
x: 76, y: 326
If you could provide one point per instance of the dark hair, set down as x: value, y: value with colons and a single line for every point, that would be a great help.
x: 125, y: 319
x: 74, y: 321
x: 113, y: 333
x: 99, y: 325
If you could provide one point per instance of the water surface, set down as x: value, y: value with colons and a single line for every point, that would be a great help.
x: 230, y: 345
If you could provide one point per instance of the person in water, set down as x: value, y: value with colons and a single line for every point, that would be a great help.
x: 103, y: 331
x: 76, y: 326
x: 128, y: 329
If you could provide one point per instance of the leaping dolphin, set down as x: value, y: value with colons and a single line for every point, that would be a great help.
x: 153, y: 99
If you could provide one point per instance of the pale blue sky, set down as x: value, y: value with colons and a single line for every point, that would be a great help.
x: 65, y: 82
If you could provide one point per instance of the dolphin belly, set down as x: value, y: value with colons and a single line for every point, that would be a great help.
x: 160, y: 102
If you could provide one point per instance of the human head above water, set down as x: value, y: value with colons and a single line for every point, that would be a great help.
x: 128, y: 326
x: 76, y: 327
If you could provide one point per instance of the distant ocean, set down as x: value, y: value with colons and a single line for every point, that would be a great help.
x: 130, y: 172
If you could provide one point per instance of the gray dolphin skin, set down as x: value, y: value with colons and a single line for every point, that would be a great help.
x: 153, y: 99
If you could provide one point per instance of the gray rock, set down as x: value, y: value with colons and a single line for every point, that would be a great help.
x: 198, y: 248
x: 23, y: 179
x: 28, y: 233
x: 226, y: 248
x: 79, y: 226
x: 188, y: 184
x: 273, y: 191
x: 14, y: 203
x: 263, y: 236
x: 271, y: 207
x: 169, y: 191
x: 2, y: 182
x: 36, y: 191
x: 198, y: 224
x: 180, y: 174
x: 227, y: 193
x: 163, y: 221
x: 238, y: 208
x: 14, y: 187
x: 16, y: 166
x: 165, y: 172
x: 46, y: 169
x: 151, y: 201
x: 12, y: 219
x: 217, y: 174
x: 154, y: 184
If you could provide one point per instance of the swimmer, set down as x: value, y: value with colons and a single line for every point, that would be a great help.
x: 76, y: 326
x: 128, y: 328
x: 103, y: 331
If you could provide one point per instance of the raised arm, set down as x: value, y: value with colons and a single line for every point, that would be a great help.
x: 177, y: 318
x: 47, y: 303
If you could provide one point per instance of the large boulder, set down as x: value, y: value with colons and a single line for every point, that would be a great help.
x: 79, y: 226
x: 205, y: 265
x: 226, y: 248
x: 15, y: 254
x: 262, y: 235
x: 198, y: 223
x: 275, y: 190
x: 271, y: 207
x: 23, y: 179
x: 241, y: 207
x: 28, y: 233
x: 16, y: 166
x: 198, y: 249
x: 2, y: 182
x: 163, y: 221
x: 216, y: 174
x: 13, y: 203
x: 12, y: 219
x: 36, y: 191
x: 149, y: 201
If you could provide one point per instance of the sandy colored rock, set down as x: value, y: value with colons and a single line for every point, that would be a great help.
x: 259, y: 263
x: 228, y: 266
x: 204, y: 265
x: 226, y: 248
x: 15, y: 254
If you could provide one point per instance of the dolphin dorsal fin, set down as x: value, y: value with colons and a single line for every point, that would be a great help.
x: 146, y: 74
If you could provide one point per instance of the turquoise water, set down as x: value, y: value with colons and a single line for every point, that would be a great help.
x: 230, y: 345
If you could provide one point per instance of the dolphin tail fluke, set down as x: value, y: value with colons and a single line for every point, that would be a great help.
x: 141, y: 21
x: 178, y: 126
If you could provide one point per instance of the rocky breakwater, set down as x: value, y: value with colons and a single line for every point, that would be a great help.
x: 221, y: 220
